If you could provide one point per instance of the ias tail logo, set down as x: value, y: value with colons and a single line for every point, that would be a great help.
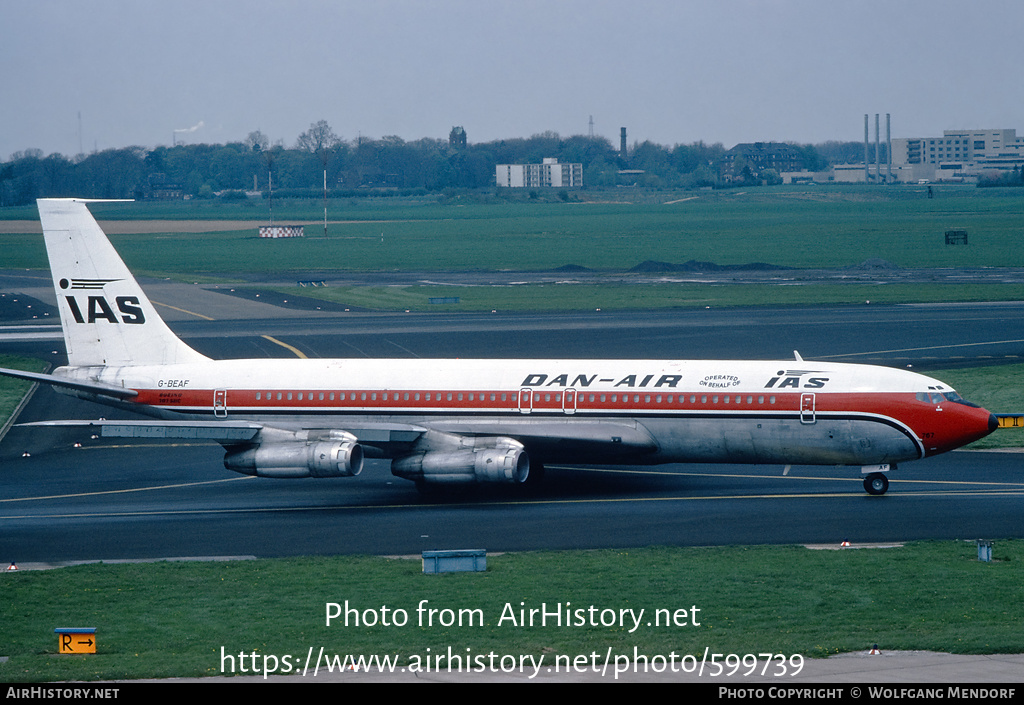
x: 97, y: 308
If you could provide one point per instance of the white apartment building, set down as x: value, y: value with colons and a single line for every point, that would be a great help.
x: 549, y: 174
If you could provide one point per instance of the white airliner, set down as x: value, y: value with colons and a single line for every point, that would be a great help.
x: 464, y: 421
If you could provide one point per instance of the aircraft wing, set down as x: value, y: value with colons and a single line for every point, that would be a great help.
x: 614, y: 436
x: 231, y: 432
x: 220, y: 431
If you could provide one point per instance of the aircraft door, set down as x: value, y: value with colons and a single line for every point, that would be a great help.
x: 569, y: 401
x: 525, y: 400
x: 220, y: 403
x: 807, y: 408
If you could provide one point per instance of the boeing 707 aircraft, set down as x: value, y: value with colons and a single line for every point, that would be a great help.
x: 472, y: 421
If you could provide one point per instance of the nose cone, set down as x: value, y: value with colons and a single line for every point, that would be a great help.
x: 961, y: 424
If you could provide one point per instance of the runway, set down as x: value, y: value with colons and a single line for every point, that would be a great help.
x: 101, y: 501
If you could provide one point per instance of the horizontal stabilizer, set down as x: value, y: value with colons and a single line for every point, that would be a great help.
x: 95, y: 387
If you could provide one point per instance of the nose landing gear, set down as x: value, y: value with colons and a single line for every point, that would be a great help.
x: 876, y: 483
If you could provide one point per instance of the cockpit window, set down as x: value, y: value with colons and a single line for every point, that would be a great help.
x: 939, y: 397
x: 954, y: 397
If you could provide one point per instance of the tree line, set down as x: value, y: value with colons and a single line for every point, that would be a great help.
x: 362, y: 165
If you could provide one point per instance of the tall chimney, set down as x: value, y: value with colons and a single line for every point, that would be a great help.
x: 888, y: 149
x: 878, y: 154
x: 622, y: 143
x: 867, y: 175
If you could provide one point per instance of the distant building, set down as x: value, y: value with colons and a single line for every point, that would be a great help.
x: 550, y: 174
x: 763, y: 155
x: 959, y: 155
x: 160, y: 189
x: 167, y: 192
x: 457, y: 137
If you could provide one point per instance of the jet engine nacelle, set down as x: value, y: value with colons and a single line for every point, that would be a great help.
x: 507, y: 465
x: 286, y: 460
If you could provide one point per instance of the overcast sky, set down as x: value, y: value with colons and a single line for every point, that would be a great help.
x: 671, y: 71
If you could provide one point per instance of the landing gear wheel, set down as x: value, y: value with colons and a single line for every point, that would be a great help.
x: 876, y: 483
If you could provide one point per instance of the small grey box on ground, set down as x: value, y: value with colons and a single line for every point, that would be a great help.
x: 455, y: 561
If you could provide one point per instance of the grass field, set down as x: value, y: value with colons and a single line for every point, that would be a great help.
x: 611, y: 296
x: 172, y: 619
x: 791, y: 226
x: 13, y: 390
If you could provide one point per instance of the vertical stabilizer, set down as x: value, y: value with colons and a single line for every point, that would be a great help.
x: 107, y: 318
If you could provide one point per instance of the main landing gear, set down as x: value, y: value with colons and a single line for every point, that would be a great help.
x: 876, y: 483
